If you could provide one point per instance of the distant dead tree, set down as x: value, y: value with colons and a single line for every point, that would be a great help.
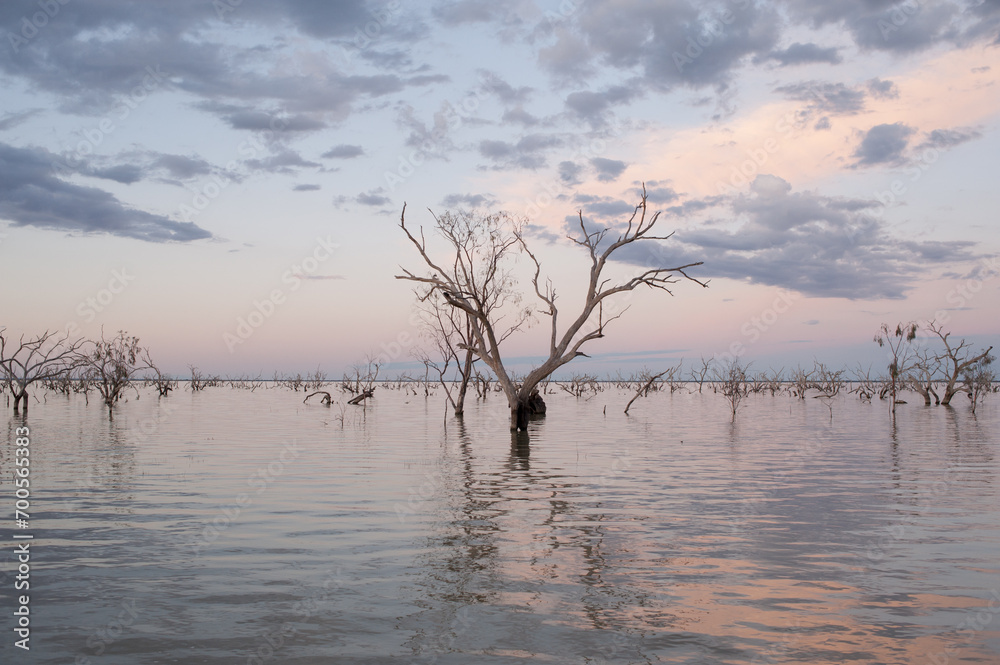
x: 956, y: 359
x: 699, y: 373
x: 477, y: 279
x: 361, y: 381
x: 113, y: 364
x: 40, y: 358
x: 898, y: 341
x: 163, y: 383
x: 197, y: 379
x: 979, y: 379
x: 647, y: 382
x: 731, y: 379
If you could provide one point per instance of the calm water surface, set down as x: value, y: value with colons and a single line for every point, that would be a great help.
x: 236, y: 527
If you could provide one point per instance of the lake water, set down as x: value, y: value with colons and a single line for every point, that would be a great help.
x: 236, y: 527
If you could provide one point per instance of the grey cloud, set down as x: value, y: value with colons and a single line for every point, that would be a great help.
x: 282, y: 160
x: 608, y: 170
x: 518, y: 116
x: 602, y: 207
x: 343, y: 151
x: 469, y: 201
x: 883, y: 89
x: 373, y: 198
x: 801, y: 54
x: 818, y: 245
x: 883, y: 144
x: 504, y: 91
x: 125, y: 174
x: 306, y: 188
x: 884, y: 25
x: 569, y: 173
x: 32, y: 195
x: 13, y: 119
x: 949, y: 138
x: 663, y: 38
x: 465, y: 11
x: 256, y: 121
x: 832, y: 98
x: 593, y: 106
x: 527, y: 153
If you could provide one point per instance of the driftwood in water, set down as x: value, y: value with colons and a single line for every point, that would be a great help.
x: 361, y: 397
x: 326, y: 399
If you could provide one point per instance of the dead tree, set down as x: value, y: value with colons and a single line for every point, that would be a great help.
x: 450, y: 331
x: 477, y: 281
x: 732, y: 381
x: 362, y: 383
x: 647, y: 382
x: 42, y: 358
x: 921, y: 376
x: 978, y: 380
x: 326, y: 399
x: 901, y: 354
x: 957, y: 360
x: 698, y: 374
x: 112, y: 365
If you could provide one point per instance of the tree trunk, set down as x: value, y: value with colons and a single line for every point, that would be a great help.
x: 949, y: 392
x: 464, y: 385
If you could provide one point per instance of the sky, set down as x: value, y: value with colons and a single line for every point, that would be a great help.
x: 224, y: 179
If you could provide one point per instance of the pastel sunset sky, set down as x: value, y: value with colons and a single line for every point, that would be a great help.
x: 225, y: 179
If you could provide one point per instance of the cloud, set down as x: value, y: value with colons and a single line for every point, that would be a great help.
x: 373, y: 198
x: 461, y: 12
x: 883, y: 89
x: 818, y: 245
x: 884, y: 25
x: 949, y: 138
x: 569, y: 173
x: 832, y: 98
x: 883, y: 144
x: 343, y: 151
x: 282, y: 160
x: 594, y: 106
x: 602, y: 207
x: 13, y: 119
x: 608, y: 170
x: 32, y: 195
x: 469, y: 201
x: 527, y: 153
x: 306, y: 188
x: 802, y: 54
x: 677, y: 43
